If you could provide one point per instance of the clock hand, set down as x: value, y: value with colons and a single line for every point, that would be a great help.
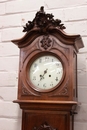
x: 45, y: 71
x: 42, y: 76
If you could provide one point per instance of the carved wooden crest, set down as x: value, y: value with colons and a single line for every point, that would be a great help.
x: 43, y: 21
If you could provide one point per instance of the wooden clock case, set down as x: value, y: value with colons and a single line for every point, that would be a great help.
x: 51, y: 109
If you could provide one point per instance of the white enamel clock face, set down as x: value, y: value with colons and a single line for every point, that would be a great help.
x: 46, y: 72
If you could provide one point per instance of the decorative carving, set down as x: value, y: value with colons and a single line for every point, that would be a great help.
x: 45, y: 42
x: 64, y: 91
x: 25, y: 91
x: 28, y: 92
x: 44, y: 126
x: 43, y: 21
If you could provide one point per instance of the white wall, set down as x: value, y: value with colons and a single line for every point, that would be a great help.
x: 13, y: 15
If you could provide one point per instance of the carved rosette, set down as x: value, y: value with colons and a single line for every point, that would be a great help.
x: 44, y: 126
x: 46, y: 42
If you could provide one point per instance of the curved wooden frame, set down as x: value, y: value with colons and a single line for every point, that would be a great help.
x: 29, y: 62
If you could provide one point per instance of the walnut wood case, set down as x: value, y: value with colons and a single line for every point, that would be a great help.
x: 51, y: 109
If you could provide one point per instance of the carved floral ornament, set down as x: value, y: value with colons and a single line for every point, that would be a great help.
x: 44, y: 126
x: 45, y: 42
x: 43, y: 22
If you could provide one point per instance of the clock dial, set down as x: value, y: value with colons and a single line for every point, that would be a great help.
x: 46, y: 72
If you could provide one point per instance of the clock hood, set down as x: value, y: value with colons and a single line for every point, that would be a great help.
x: 45, y: 24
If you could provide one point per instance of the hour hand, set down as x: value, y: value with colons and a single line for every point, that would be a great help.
x: 42, y: 76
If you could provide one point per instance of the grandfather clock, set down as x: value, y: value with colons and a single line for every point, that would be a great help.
x: 47, y: 83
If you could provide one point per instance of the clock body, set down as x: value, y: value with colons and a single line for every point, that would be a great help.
x: 48, y: 73
x: 47, y: 81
